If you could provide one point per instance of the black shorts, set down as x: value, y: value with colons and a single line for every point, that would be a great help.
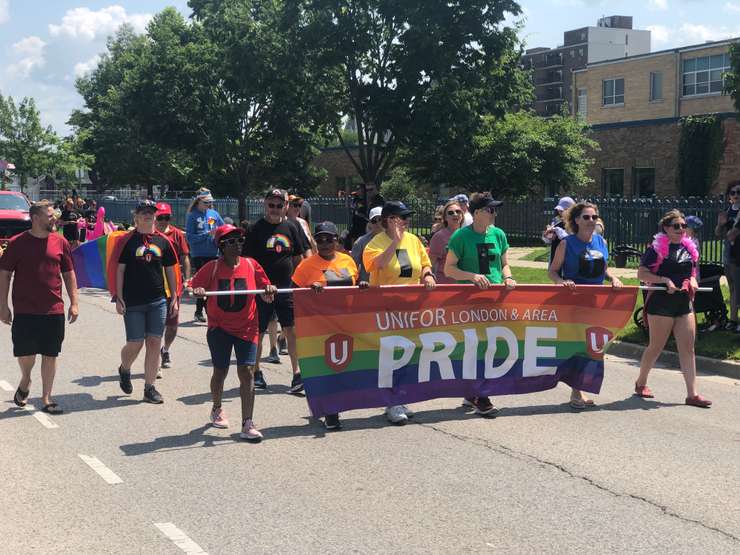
x: 283, y: 307
x: 37, y: 334
x: 664, y: 304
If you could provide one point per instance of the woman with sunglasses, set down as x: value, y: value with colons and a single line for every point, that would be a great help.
x: 295, y: 205
x: 725, y: 223
x: 581, y: 259
x: 452, y: 215
x: 397, y: 257
x: 672, y: 261
x: 201, y: 224
x: 233, y: 324
x: 327, y: 268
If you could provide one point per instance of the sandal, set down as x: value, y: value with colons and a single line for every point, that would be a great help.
x: 589, y: 403
x: 578, y: 404
x: 20, y: 397
x: 644, y: 391
x: 52, y: 408
x: 698, y: 401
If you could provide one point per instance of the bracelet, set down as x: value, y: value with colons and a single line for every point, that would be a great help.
x: 429, y: 274
x: 508, y: 277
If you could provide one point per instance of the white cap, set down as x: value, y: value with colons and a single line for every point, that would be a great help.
x: 564, y: 203
x: 375, y: 212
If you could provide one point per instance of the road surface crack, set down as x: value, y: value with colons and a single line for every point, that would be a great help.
x: 519, y: 455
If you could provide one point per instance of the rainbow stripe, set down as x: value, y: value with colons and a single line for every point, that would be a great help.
x: 340, y: 335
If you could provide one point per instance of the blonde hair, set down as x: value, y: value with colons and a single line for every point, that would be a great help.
x: 194, y: 203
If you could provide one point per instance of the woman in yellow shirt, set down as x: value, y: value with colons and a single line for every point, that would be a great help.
x: 397, y: 257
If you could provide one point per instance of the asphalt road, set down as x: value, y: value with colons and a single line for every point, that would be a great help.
x: 115, y: 475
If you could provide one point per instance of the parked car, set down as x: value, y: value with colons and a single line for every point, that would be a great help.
x: 14, y: 217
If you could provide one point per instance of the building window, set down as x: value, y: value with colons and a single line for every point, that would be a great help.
x: 613, y: 91
x: 643, y: 182
x: 580, y: 52
x: 705, y: 75
x: 572, y: 53
x: 582, y: 103
x: 656, y: 85
x: 612, y: 182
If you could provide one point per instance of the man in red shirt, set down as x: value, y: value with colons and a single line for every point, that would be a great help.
x: 180, y: 243
x: 233, y: 323
x: 40, y: 259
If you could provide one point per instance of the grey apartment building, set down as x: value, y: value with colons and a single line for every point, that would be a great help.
x: 552, y: 68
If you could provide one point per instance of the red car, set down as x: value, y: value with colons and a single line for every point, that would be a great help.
x: 14, y: 218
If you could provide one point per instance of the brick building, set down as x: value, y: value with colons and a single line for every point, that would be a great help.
x: 341, y: 173
x: 634, y: 106
x: 552, y: 68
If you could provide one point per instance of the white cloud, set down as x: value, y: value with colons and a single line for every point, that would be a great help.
x: 4, y: 11
x: 83, y: 68
x: 659, y: 34
x: 85, y: 24
x: 660, y: 5
x: 732, y: 7
x: 694, y: 33
x: 29, y: 54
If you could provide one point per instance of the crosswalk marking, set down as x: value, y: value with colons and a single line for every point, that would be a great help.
x: 179, y: 538
x: 103, y: 471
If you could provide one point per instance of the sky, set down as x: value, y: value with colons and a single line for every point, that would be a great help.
x: 46, y: 44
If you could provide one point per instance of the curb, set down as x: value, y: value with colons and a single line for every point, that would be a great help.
x: 705, y: 365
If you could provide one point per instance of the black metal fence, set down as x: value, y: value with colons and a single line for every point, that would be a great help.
x: 630, y: 222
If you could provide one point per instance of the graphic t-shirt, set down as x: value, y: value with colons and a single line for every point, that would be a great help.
x: 678, y: 265
x: 235, y: 314
x: 145, y: 256
x: 405, y: 266
x: 342, y: 270
x: 585, y: 263
x: 274, y: 246
x: 37, y: 265
x: 480, y: 253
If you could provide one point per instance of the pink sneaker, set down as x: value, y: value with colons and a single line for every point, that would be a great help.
x: 250, y: 432
x: 218, y: 418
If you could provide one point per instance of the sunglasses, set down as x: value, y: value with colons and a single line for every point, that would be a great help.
x: 163, y: 218
x: 375, y: 220
x: 735, y: 192
x: 296, y: 204
x: 233, y: 241
x: 404, y: 217
x: 589, y: 217
x: 454, y: 212
x: 275, y: 206
x: 490, y: 210
x: 678, y: 227
x: 320, y: 239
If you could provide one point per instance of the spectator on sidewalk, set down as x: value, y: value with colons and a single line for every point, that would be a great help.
x: 556, y: 232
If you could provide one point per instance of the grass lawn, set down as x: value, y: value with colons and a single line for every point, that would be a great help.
x: 716, y: 344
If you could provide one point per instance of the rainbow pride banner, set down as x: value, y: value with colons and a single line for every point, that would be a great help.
x: 399, y: 345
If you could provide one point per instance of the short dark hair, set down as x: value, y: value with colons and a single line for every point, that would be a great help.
x: 39, y: 208
x: 730, y: 186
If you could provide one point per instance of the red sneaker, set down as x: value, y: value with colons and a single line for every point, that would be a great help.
x: 643, y: 391
x: 698, y: 401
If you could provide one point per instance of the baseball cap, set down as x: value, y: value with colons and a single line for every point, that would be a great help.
x: 146, y: 205
x: 375, y: 212
x: 204, y: 195
x: 694, y: 222
x: 484, y: 200
x: 461, y: 198
x: 395, y: 208
x: 163, y: 209
x: 277, y: 193
x: 223, y: 230
x: 564, y: 203
x: 327, y: 228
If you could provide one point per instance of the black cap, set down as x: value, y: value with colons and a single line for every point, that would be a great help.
x: 326, y: 228
x: 145, y: 205
x: 395, y: 208
x: 483, y: 201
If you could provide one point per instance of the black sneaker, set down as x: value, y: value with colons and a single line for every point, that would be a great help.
x: 484, y: 407
x: 200, y: 318
x: 124, y: 380
x: 331, y: 422
x: 166, y: 361
x: 296, y: 386
x: 151, y: 395
x: 259, y: 380
x: 283, y: 345
x: 273, y: 358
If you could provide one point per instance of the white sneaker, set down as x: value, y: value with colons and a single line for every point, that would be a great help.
x: 396, y: 414
x: 250, y: 432
x: 408, y: 411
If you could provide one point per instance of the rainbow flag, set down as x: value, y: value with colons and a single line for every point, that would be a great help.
x: 400, y: 345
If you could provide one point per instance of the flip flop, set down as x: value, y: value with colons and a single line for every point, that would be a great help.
x: 52, y: 408
x: 20, y: 397
x: 589, y: 403
x: 577, y: 404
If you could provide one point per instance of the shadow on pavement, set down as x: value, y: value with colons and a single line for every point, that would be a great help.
x: 94, y: 381
x: 203, y: 398
x: 194, y: 438
x: 76, y: 402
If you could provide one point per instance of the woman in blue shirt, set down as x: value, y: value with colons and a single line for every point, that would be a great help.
x: 200, y: 226
x: 581, y: 259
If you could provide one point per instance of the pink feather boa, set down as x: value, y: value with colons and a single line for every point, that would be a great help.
x: 661, y: 245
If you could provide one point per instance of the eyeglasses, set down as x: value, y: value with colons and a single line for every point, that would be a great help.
x: 163, y: 218
x: 589, y: 217
x: 233, y: 241
x: 275, y: 206
x: 320, y: 239
x: 678, y: 227
x: 454, y: 212
x: 296, y: 204
x: 735, y: 192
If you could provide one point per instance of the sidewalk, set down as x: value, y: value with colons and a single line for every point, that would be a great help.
x: 516, y: 253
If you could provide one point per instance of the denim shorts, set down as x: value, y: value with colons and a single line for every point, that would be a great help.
x: 146, y: 320
x: 222, y: 343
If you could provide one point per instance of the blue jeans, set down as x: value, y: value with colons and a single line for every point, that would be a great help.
x: 146, y: 320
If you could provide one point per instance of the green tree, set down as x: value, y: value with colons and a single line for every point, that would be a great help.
x: 23, y: 140
x: 700, y: 150
x: 732, y: 78
x: 395, y: 67
x: 67, y: 158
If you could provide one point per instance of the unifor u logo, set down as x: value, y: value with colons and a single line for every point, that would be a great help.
x: 338, y: 351
x: 596, y: 340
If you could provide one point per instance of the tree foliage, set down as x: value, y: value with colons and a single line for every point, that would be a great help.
x: 732, y: 78
x: 700, y: 150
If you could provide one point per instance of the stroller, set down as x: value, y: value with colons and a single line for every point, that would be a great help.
x: 710, y: 304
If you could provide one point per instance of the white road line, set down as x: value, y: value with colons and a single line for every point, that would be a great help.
x: 42, y: 417
x: 6, y: 386
x: 103, y: 471
x: 179, y: 538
